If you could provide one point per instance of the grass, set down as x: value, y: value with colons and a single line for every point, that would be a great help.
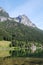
x: 4, y: 43
x: 4, y: 53
x: 4, y: 48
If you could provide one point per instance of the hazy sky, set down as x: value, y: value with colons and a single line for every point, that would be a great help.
x: 31, y: 8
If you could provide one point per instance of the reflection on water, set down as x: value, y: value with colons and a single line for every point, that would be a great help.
x: 33, y: 63
x: 21, y: 61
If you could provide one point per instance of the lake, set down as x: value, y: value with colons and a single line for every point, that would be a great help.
x: 21, y: 61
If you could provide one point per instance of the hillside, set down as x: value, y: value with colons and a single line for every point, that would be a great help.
x: 21, y: 31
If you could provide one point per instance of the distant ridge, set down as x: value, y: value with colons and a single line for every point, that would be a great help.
x: 4, y: 16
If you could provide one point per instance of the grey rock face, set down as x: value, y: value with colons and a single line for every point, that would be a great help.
x: 3, y: 12
x: 3, y: 18
x: 25, y: 20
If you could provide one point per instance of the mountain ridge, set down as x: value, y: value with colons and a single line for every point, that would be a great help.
x: 12, y: 26
x: 23, y: 19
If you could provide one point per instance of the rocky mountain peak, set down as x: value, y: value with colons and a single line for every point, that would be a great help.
x: 25, y: 20
x: 3, y: 13
x: 1, y: 9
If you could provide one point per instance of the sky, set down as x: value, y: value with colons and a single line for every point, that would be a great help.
x: 33, y: 9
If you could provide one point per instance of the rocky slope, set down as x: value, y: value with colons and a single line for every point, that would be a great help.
x: 3, y: 12
x: 25, y: 20
x: 4, y: 16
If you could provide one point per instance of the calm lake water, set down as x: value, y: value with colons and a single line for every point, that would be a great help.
x: 21, y: 61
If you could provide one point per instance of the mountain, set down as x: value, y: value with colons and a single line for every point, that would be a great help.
x: 21, y: 27
x: 4, y: 16
x: 3, y: 13
x: 25, y: 20
x: 24, y: 35
x: 21, y: 32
